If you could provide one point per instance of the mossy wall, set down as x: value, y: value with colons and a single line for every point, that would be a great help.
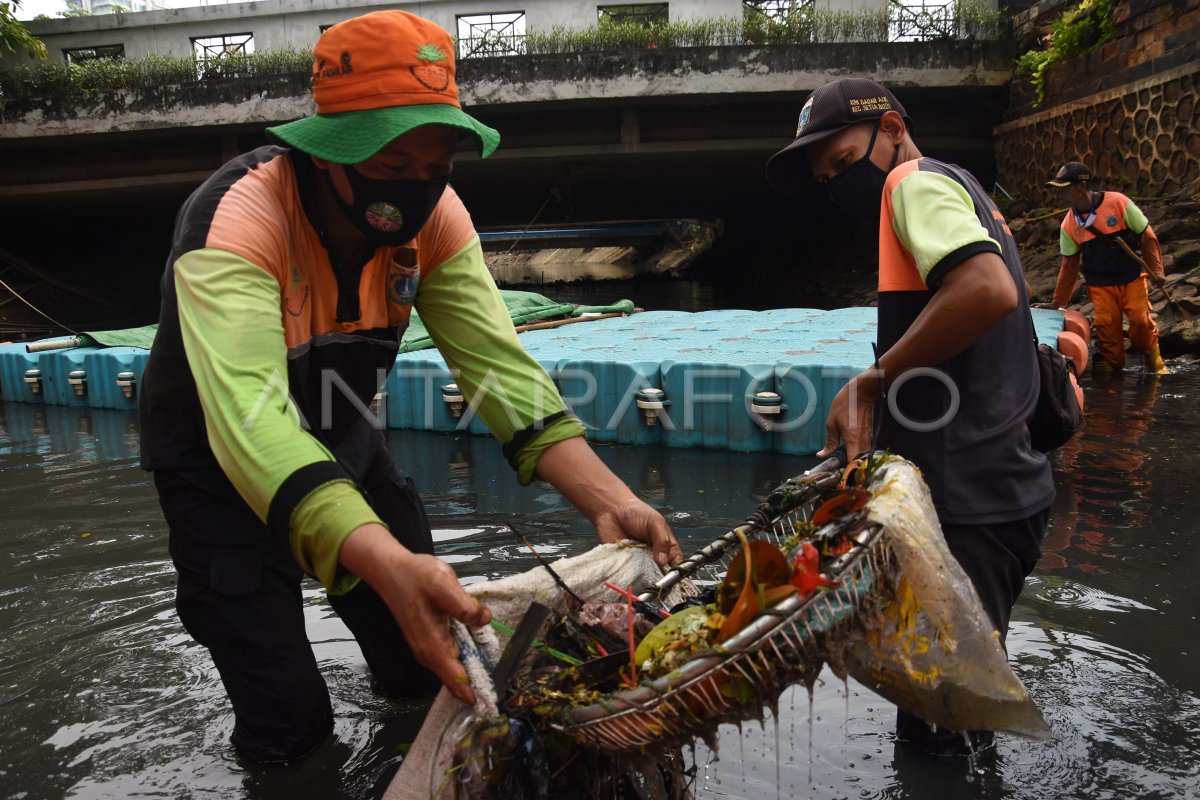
x: 1128, y: 108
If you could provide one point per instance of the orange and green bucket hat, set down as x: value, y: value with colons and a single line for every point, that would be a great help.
x: 376, y: 77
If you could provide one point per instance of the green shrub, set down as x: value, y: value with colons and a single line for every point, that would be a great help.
x: 1080, y: 30
x: 110, y: 74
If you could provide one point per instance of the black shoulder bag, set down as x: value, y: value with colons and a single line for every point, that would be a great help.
x: 1057, y: 416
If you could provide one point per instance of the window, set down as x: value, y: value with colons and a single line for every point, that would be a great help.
x: 222, y: 56
x: 644, y: 14
x: 484, y: 35
x: 921, y: 21
x: 777, y: 10
x: 78, y: 55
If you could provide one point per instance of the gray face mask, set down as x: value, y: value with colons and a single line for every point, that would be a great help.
x: 858, y: 189
x: 390, y: 213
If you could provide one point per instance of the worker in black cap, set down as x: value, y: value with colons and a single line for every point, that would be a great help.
x: 957, y: 371
x: 1110, y: 237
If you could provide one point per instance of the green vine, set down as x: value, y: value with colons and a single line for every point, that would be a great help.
x: 1080, y: 30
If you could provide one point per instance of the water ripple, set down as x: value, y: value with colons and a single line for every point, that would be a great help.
x: 1060, y: 591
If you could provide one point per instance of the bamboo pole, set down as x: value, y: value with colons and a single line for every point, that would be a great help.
x: 539, y: 326
x: 1159, y: 283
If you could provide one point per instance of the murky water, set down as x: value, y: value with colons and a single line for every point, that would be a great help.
x: 102, y: 694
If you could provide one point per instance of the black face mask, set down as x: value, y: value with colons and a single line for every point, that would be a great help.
x: 390, y: 212
x: 858, y: 189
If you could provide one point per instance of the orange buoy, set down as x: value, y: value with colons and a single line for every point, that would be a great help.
x: 1074, y: 348
x: 1077, y: 324
x: 1078, y: 389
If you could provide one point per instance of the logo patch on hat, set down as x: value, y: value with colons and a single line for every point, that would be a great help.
x: 862, y: 105
x: 805, y: 114
x: 1062, y: 172
x: 432, y: 76
x: 344, y: 68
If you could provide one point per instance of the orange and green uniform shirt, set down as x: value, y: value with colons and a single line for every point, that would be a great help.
x: 979, y: 465
x: 268, y: 354
x: 1104, y: 263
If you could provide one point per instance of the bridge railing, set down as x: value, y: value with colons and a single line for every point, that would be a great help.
x: 249, y: 46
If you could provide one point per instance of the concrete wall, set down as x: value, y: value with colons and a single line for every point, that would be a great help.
x: 1128, y: 109
x: 277, y: 24
x: 711, y: 74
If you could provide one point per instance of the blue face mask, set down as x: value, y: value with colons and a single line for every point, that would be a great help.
x: 858, y: 189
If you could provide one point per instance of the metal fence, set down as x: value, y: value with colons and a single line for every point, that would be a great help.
x: 487, y: 35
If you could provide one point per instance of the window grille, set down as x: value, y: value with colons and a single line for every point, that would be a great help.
x: 222, y: 56
x: 644, y: 14
x: 777, y: 10
x: 487, y: 35
x: 920, y: 21
x: 78, y: 55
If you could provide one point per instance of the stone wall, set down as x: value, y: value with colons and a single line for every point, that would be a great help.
x: 1128, y: 109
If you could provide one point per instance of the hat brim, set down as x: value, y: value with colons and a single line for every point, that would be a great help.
x: 788, y: 169
x: 354, y: 136
x: 1059, y: 184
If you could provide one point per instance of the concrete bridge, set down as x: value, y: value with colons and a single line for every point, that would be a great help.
x: 679, y: 132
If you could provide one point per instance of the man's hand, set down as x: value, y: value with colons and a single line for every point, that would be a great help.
x: 636, y: 520
x: 578, y: 473
x: 423, y: 594
x: 851, y: 416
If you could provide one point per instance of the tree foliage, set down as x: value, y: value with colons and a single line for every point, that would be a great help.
x: 14, y: 36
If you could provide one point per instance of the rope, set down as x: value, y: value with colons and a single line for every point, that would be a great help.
x: 553, y: 193
x: 17, y: 295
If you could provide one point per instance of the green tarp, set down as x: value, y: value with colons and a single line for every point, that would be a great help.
x: 523, y: 307
x: 129, y: 337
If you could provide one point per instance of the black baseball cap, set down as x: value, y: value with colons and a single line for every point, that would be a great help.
x: 1069, y: 173
x: 830, y: 108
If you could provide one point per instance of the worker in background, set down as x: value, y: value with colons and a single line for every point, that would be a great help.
x: 1101, y: 232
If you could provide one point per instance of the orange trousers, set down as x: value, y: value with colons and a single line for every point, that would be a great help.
x: 1111, y: 302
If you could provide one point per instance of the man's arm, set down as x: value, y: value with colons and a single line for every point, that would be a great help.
x: 1136, y: 221
x: 574, y: 469
x: 1068, y: 277
x: 973, y: 296
x: 1152, y: 253
x: 520, y: 404
x: 934, y: 219
x: 421, y: 592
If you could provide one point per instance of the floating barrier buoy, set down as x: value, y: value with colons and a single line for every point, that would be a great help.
x: 78, y: 380
x: 1077, y: 324
x: 1075, y: 348
x: 651, y: 401
x: 767, y: 405
x: 452, y: 396
x: 127, y: 381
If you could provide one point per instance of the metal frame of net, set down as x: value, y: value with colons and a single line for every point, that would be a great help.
x: 781, y: 647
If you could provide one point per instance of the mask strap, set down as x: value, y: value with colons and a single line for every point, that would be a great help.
x: 871, y: 144
x: 871, y: 147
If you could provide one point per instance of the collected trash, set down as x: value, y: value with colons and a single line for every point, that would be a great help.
x: 850, y: 573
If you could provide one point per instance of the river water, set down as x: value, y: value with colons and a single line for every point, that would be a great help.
x: 103, y: 695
